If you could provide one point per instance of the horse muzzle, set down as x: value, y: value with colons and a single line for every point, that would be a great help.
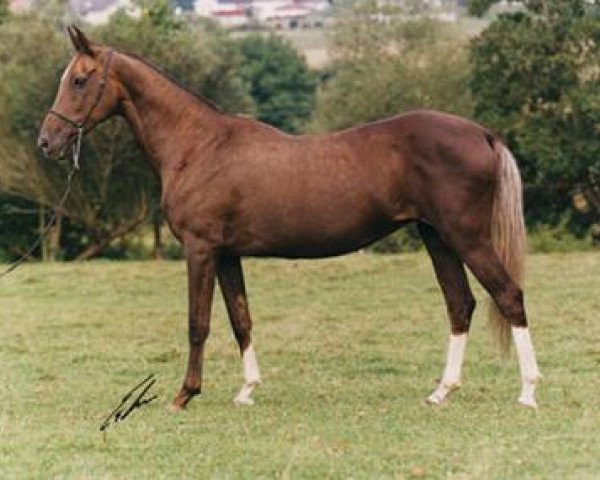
x: 54, y: 141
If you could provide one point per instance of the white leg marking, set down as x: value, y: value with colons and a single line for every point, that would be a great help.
x: 251, y: 377
x: 451, y: 377
x: 530, y: 372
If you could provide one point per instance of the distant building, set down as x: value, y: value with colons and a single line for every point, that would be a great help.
x: 19, y: 5
x: 290, y: 13
x: 443, y: 10
x: 229, y: 13
x: 254, y: 13
x: 234, y: 14
x: 99, y: 11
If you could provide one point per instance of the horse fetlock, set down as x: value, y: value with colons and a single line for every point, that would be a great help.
x: 455, y: 385
x: 241, y: 400
x: 253, y: 382
x: 437, y: 397
x: 533, y: 378
x: 442, y: 391
x: 528, y: 401
x: 433, y: 399
x: 527, y: 397
x: 244, y: 395
x: 183, y: 397
x: 251, y: 368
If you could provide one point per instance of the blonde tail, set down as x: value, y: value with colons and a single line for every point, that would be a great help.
x: 508, y: 234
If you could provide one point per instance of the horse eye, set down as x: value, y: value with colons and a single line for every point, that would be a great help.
x: 79, y: 82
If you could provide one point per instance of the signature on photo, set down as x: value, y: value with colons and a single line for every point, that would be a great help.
x: 130, y: 402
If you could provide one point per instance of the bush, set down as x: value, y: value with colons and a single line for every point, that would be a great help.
x: 405, y: 240
x: 548, y: 239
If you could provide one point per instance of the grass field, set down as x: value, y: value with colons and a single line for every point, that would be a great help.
x: 349, y: 348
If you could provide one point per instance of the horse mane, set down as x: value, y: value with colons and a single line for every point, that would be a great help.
x: 201, y: 98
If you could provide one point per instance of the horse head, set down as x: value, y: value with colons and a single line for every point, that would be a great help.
x: 88, y: 94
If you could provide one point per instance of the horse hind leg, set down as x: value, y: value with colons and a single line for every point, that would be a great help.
x: 508, y: 298
x: 231, y: 280
x: 460, y: 303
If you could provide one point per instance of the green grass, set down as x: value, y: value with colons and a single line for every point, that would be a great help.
x: 348, y: 347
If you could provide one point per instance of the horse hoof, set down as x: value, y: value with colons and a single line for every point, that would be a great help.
x: 528, y: 403
x: 172, y: 408
x: 434, y: 400
x: 241, y: 400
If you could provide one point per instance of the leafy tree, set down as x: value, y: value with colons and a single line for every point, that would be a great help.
x: 18, y: 216
x: 382, y: 68
x: 25, y: 80
x: 202, y: 56
x: 535, y: 81
x: 478, y: 8
x: 280, y: 82
x: 3, y: 10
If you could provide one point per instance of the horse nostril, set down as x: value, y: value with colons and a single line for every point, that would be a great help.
x: 43, y: 143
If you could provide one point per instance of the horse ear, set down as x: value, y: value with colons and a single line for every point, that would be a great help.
x: 79, y: 40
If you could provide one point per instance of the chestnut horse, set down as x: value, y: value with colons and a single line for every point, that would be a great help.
x: 234, y: 187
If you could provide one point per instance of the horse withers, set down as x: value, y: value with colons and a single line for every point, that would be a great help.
x: 234, y: 187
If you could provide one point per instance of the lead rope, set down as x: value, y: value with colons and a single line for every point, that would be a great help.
x: 75, y: 168
x: 76, y: 151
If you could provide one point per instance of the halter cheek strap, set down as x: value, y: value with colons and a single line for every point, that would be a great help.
x: 80, y: 126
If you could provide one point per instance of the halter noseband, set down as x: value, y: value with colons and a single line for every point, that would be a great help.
x: 80, y: 126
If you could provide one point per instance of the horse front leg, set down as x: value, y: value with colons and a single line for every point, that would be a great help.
x: 201, y: 267
x: 231, y: 279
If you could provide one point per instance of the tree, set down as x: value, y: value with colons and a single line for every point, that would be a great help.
x: 478, y: 8
x: 279, y: 80
x: 4, y: 11
x: 20, y: 167
x: 386, y: 62
x: 19, y: 217
x: 535, y: 81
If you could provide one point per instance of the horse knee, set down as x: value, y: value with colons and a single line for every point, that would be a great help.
x: 242, y: 335
x: 511, y: 306
x: 198, y: 334
x: 461, y: 314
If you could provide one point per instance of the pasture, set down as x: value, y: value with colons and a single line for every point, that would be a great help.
x: 349, y: 348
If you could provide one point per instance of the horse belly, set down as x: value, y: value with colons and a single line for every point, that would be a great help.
x: 307, y: 246
x: 313, y: 231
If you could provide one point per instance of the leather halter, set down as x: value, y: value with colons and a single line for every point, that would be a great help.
x: 80, y: 126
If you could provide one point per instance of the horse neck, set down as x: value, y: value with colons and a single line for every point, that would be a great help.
x: 164, y: 117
